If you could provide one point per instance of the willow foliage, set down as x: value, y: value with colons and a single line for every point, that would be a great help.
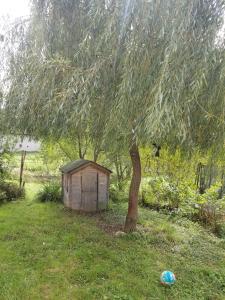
x: 130, y: 69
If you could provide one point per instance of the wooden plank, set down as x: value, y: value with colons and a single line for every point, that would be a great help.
x: 102, y: 191
x: 66, y: 198
x: 75, y: 191
x: 89, y: 189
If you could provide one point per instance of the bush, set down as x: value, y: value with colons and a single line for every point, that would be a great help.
x: 2, y: 197
x: 51, y: 192
x: 4, y: 165
x: 10, y: 191
x: 207, y: 209
x: 210, y: 210
x: 118, y: 195
x: 159, y: 193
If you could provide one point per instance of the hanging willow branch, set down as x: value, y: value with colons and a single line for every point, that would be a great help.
x: 151, y: 68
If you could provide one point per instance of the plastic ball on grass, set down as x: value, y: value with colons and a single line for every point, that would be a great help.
x: 167, y: 278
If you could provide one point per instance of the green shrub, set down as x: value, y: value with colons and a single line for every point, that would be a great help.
x: 118, y: 195
x: 2, y: 197
x: 159, y: 193
x: 51, y: 192
x: 4, y: 165
x: 10, y: 191
x: 210, y: 210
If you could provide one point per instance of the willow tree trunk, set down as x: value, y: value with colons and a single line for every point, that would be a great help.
x: 96, y: 154
x: 132, y: 215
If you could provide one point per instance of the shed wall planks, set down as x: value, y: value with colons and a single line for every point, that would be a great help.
x: 66, y: 190
x: 75, y: 192
x: 102, y: 191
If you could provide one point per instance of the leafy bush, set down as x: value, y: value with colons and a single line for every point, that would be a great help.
x: 207, y: 209
x: 210, y: 209
x: 2, y: 197
x: 4, y: 165
x: 118, y: 195
x: 159, y: 193
x: 10, y: 191
x: 51, y: 192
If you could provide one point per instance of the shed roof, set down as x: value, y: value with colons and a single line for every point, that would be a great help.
x: 80, y: 163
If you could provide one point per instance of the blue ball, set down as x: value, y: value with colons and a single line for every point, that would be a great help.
x: 167, y: 278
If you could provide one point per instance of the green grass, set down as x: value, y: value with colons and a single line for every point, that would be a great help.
x: 48, y: 252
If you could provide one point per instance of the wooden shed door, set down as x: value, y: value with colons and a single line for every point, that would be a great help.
x: 89, y: 191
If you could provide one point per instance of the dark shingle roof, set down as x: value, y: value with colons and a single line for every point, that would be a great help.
x: 77, y: 164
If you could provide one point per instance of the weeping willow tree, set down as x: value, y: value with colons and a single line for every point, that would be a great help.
x: 133, y: 71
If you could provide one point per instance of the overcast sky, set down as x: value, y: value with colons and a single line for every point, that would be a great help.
x: 10, y: 11
x: 14, y: 8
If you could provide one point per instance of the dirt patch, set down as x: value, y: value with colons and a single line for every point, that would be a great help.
x: 108, y: 224
x: 104, y: 220
x: 109, y: 228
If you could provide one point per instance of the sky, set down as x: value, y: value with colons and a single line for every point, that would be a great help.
x: 10, y: 11
x: 14, y: 8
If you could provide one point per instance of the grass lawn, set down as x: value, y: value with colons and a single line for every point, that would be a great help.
x: 48, y: 252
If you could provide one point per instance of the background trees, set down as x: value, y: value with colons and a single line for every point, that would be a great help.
x: 127, y: 73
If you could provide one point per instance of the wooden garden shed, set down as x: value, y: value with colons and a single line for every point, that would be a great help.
x: 85, y: 185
